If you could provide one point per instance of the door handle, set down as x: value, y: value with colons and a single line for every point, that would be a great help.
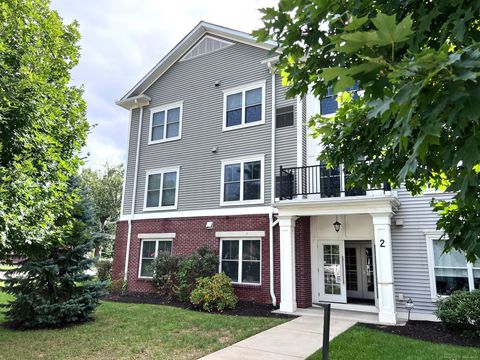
x: 343, y: 273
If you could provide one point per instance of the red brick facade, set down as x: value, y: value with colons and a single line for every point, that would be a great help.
x: 191, y: 233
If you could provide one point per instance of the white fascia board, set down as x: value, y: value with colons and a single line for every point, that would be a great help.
x: 134, y: 102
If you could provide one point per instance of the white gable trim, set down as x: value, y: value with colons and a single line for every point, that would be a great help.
x: 224, y: 44
x: 184, y: 46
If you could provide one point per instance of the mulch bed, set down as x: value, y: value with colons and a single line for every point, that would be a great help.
x: 243, y: 308
x: 429, y: 331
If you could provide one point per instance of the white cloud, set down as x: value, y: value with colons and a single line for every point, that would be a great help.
x: 123, y: 39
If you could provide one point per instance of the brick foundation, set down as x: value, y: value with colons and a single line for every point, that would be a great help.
x: 191, y: 234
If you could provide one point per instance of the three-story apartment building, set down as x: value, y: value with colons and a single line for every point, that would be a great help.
x: 219, y: 156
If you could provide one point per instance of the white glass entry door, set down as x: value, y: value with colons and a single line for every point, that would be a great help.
x: 331, y: 258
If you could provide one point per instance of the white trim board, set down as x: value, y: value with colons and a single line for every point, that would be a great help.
x: 239, y: 234
x: 157, y: 236
x: 233, y: 211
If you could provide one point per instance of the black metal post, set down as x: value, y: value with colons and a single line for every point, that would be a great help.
x: 326, y: 330
x: 281, y: 194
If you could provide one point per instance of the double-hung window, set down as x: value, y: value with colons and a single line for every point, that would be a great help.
x: 450, y: 271
x: 329, y: 104
x: 166, y: 123
x: 161, y: 190
x: 244, y: 106
x: 242, y: 181
x: 149, y: 250
x: 241, y: 260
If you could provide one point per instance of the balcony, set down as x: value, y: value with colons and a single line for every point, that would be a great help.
x: 318, y: 182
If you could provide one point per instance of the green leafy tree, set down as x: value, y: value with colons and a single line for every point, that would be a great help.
x: 418, y: 63
x: 55, y: 289
x: 42, y: 126
x: 104, y: 189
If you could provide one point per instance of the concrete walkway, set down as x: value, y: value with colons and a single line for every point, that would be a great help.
x: 295, y: 339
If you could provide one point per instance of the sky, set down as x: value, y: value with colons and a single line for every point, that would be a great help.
x: 122, y: 40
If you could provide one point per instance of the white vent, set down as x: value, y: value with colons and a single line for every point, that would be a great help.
x: 205, y: 46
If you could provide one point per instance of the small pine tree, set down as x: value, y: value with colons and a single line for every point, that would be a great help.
x: 55, y: 289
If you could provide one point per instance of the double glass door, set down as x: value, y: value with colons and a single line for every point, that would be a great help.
x: 345, y: 269
x: 359, y: 270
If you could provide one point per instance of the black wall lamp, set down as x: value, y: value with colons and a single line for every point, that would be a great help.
x: 337, y: 224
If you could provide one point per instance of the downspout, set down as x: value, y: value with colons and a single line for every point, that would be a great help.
x: 272, y: 186
x: 272, y: 282
x: 134, y: 192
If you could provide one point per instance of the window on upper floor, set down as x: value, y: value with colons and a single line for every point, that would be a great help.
x: 161, y: 190
x: 242, y: 181
x: 450, y: 271
x: 166, y: 123
x: 284, y: 117
x: 329, y: 104
x: 244, y: 106
x: 149, y: 251
x: 241, y: 260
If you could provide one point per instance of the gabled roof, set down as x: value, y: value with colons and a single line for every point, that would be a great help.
x: 181, y: 48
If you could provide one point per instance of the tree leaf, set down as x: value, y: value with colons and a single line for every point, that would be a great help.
x: 356, y: 22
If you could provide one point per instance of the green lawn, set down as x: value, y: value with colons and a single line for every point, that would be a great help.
x: 131, y: 331
x: 361, y: 343
x: 5, y: 267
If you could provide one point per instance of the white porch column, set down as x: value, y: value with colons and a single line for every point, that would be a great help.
x: 288, y: 298
x: 384, y: 271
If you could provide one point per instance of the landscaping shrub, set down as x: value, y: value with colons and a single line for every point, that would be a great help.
x: 117, y: 287
x: 104, y: 269
x: 175, y: 277
x: 202, y: 263
x: 460, y: 311
x: 214, y: 293
x: 165, y: 276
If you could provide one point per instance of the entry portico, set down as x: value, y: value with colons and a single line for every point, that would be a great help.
x: 365, y: 276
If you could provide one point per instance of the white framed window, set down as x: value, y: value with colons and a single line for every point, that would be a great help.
x: 240, y: 260
x: 149, y: 250
x: 449, y: 271
x: 244, y: 106
x: 165, y: 123
x: 161, y: 189
x: 242, y: 181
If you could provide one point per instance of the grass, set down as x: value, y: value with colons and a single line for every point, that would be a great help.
x: 361, y: 343
x: 133, y: 331
x: 5, y: 267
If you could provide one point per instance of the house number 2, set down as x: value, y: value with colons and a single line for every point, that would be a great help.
x: 382, y: 243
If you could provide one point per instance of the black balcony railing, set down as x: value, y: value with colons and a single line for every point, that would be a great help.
x: 317, y: 180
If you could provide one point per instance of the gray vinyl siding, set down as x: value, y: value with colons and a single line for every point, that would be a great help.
x: 286, y: 137
x: 130, y: 169
x: 192, y: 82
x: 409, y: 248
